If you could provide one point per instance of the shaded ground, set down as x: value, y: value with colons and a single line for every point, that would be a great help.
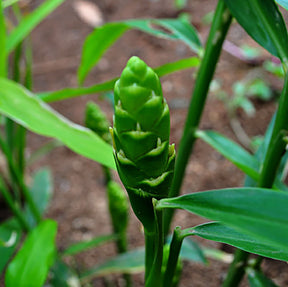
x: 79, y: 202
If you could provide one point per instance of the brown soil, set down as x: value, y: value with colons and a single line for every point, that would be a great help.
x: 79, y: 202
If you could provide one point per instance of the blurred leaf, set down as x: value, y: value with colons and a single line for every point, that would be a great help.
x: 3, y: 55
x: 257, y: 212
x: 247, y: 106
x: 41, y: 192
x: 96, y: 44
x: 109, y: 85
x: 190, y: 250
x: 258, y: 88
x: 84, y: 245
x: 263, y: 22
x: 103, y: 37
x: 7, y: 3
x: 30, y: 22
x: 283, y: 3
x: 129, y: 262
x: 258, y: 279
x: 274, y: 68
x: 218, y: 232
x: 61, y: 275
x: 217, y: 254
x: 250, y: 52
x: 180, y: 4
x: 8, y: 228
x: 22, y: 106
x: 31, y: 264
x: 232, y: 151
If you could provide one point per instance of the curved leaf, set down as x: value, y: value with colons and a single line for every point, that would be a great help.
x: 263, y: 22
x: 261, y: 213
x: 218, y: 232
x: 22, y: 106
x: 161, y: 71
x: 30, y: 22
x: 258, y: 279
x: 232, y: 151
x: 31, y: 264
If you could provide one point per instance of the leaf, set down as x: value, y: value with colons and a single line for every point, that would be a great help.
x: 103, y: 37
x: 261, y: 213
x: 61, y: 275
x: 190, y: 250
x: 129, y: 262
x: 30, y: 22
x: 3, y: 55
x: 41, y: 191
x: 263, y: 22
x: 109, y: 85
x: 258, y: 279
x: 7, y: 3
x: 218, y: 232
x: 31, y: 264
x: 283, y: 3
x: 232, y: 151
x: 96, y: 44
x: 7, y: 229
x: 84, y: 245
x: 22, y: 106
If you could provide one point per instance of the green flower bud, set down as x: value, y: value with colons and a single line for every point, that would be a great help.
x: 96, y: 121
x: 144, y: 158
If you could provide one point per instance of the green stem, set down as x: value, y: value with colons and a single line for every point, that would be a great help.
x: 236, y: 269
x: 154, y: 253
x: 218, y: 31
x: 3, y: 54
x: 20, y: 181
x: 276, y: 149
x: 14, y: 207
x: 175, y: 247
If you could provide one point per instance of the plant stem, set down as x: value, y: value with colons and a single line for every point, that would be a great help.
x: 154, y: 252
x: 14, y: 207
x: 20, y: 181
x: 236, y: 269
x: 3, y: 54
x: 175, y: 247
x: 218, y: 31
x: 276, y: 149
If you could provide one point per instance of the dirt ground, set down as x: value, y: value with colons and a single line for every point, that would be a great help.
x: 79, y: 201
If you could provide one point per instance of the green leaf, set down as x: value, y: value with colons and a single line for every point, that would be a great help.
x: 61, y: 275
x: 109, y: 85
x: 22, y: 106
x: 41, y: 192
x: 3, y: 55
x: 232, y: 151
x: 129, y: 262
x: 103, y: 37
x: 7, y: 3
x: 258, y: 279
x: 190, y: 250
x: 30, y: 22
x: 263, y: 22
x: 96, y: 44
x: 31, y: 264
x: 84, y: 245
x: 9, y: 230
x: 261, y: 213
x: 218, y: 232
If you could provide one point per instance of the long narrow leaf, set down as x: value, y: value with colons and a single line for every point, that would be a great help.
x: 232, y: 151
x: 22, y: 106
x: 163, y: 70
x: 263, y: 22
x: 103, y: 37
x: 258, y: 279
x: 221, y: 233
x: 261, y: 213
x: 31, y: 264
x: 3, y: 57
x: 30, y: 22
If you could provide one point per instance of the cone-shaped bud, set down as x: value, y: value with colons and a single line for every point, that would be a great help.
x: 144, y: 158
x: 97, y: 121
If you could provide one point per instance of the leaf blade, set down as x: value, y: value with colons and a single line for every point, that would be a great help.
x: 22, y: 106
